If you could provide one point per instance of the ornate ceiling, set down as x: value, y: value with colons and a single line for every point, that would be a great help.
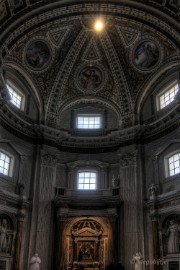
x: 53, y: 48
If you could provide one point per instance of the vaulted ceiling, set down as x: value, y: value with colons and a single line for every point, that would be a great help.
x: 52, y: 47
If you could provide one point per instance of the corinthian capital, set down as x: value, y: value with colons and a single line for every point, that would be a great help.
x: 48, y: 160
x: 128, y: 159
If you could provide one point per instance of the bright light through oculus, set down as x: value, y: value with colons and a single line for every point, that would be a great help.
x: 99, y: 25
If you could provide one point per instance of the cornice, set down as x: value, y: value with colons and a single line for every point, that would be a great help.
x: 13, y: 200
x: 164, y: 203
x: 62, y: 138
x: 87, y: 200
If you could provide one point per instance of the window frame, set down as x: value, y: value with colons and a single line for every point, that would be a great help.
x: 11, y: 163
x: 166, y: 164
x: 89, y: 115
x: 89, y: 170
x: 162, y: 92
x: 18, y: 92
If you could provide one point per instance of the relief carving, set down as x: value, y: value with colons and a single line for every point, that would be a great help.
x: 6, y: 234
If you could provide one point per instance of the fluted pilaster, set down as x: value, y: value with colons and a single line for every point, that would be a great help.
x: 44, y: 243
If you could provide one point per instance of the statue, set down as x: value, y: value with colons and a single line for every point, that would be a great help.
x: 173, y: 240
x: 3, y: 236
x: 115, y: 181
x: 35, y: 262
x: 137, y: 260
x: 86, y: 252
x: 152, y: 191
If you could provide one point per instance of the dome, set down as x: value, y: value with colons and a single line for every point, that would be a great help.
x: 89, y: 134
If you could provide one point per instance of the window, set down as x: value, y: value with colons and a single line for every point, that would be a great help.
x: 5, y: 161
x: 88, y: 121
x: 174, y: 164
x: 17, y: 99
x: 167, y: 96
x: 87, y: 180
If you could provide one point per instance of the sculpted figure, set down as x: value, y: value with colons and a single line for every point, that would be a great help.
x: 152, y: 191
x: 35, y: 262
x: 173, y: 237
x: 137, y: 259
x: 3, y: 236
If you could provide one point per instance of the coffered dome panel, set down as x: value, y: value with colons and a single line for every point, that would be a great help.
x: 67, y: 60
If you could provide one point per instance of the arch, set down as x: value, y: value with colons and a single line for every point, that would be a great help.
x: 33, y: 87
x: 92, y: 101
x: 148, y: 86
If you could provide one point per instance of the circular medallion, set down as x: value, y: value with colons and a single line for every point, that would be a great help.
x: 38, y: 55
x: 90, y: 79
x: 146, y: 55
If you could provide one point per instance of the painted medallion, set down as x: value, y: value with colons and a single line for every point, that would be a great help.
x: 146, y: 55
x: 38, y: 55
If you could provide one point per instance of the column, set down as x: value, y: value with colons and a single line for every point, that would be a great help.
x: 131, y: 190
x: 70, y: 257
x: 18, y: 242
x: 112, y: 214
x: 155, y: 227
x: 61, y: 247
x: 156, y: 242
x: 45, y: 226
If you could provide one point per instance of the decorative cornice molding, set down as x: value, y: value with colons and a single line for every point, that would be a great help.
x: 63, y: 138
x: 164, y: 203
x: 87, y: 163
x: 87, y: 200
x: 13, y: 200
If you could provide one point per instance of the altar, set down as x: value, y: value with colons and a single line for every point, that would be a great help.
x: 87, y: 246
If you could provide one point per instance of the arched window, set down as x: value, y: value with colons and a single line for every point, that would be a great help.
x: 87, y: 180
x: 17, y: 97
x: 167, y: 95
x: 6, y: 163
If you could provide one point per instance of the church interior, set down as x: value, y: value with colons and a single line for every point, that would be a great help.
x: 89, y: 135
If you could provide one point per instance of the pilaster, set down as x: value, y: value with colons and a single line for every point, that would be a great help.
x: 44, y: 243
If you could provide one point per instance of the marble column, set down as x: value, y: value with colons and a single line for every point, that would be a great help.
x: 45, y: 226
x: 18, y: 242
x: 155, y: 227
x: 112, y: 213
x: 131, y: 193
x: 70, y: 257
x: 60, y: 249
x: 156, y: 242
